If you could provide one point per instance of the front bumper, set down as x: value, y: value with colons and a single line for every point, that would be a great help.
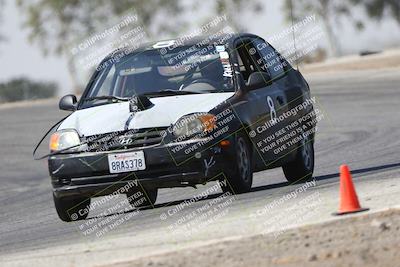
x: 87, y: 174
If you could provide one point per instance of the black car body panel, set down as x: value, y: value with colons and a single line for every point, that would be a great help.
x: 87, y: 173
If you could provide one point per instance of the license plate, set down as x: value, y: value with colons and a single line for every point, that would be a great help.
x: 126, y: 162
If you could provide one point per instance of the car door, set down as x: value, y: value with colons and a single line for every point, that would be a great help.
x: 293, y: 88
x: 265, y: 104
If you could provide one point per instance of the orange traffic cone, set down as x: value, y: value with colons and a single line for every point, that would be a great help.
x: 348, y: 196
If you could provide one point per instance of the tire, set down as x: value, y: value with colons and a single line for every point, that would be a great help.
x: 72, y: 209
x: 301, y: 169
x: 147, y: 198
x: 240, y: 178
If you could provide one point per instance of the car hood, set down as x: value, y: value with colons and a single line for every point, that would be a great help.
x: 166, y: 110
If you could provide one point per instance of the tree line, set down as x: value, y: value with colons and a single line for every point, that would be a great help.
x: 57, y: 25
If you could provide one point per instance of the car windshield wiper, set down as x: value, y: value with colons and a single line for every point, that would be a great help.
x: 106, y: 97
x: 171, y: 92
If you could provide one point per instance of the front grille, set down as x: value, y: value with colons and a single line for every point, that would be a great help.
x: 125, y: 139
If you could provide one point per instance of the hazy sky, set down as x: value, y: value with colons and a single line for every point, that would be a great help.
x: 20, y: 58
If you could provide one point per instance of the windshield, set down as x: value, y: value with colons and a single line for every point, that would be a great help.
x: 182, y: 70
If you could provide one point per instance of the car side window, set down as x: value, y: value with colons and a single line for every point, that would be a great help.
x: 270, y: 59
x: 242, y: 67
x: 248, y: 58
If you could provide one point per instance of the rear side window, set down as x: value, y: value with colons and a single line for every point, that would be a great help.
x: 270, y: 59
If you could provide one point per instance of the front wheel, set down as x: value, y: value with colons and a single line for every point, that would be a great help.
x: 240, y: 179
x: 302, y: 167
x: 72, y: 208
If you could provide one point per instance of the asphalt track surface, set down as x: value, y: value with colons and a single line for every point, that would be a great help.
x: 360, y: 128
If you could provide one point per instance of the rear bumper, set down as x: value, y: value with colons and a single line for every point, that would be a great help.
x: 87, y: 174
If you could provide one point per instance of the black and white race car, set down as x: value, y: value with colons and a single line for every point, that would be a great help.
x: 182, y: 113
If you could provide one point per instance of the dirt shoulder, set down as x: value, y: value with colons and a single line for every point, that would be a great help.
x: 385, y: 60
x: 28, y: 103
x: 370, y: 239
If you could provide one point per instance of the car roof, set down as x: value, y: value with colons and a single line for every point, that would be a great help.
x: 204, y: 39
x: 228, y: 39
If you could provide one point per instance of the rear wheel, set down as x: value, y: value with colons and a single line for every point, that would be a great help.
x: 140, y: 198
x: 302, y: 168
x: 72, y: 208
x: 240, y: 178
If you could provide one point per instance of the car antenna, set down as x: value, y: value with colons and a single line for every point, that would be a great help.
x: 44, y: 136
x: 294, y: 35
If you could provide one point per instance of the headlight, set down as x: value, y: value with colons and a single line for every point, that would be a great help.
x: 194, y: 124
x: 64, y: 139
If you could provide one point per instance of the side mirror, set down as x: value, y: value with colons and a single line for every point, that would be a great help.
x: 257, y: 80
x: 68, y: 102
